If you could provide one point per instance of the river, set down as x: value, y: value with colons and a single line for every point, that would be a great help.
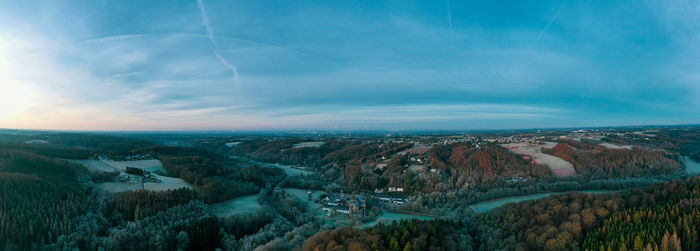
x: 691, y: 167
x: 491, y: 204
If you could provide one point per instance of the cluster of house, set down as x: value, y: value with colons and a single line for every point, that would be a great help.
x: 352, y: 205
x: 392, y: 199
x: 515, y: 179
x: 135, y: 175
x: 389, y: 189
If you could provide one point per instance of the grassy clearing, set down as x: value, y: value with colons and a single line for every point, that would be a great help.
x: 93, y: 166
x: 244, y: 204
x: 168, y: 183
x: 308, y: 144
x: 152, y: 165
x: 613, y: 146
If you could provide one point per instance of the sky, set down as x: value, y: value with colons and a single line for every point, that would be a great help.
x: 397, y: 65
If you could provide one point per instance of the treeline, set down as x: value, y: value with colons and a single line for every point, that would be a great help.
x: 176, y: 151
x: 283, y: 152
x: 332, y: 151
x: 73, y: 145
x: 403, y: 235
x: 50, y: 151
x: 600, y: 162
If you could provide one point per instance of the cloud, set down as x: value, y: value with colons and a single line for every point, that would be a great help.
x: 328, y: 64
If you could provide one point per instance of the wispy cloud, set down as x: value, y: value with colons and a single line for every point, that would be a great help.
x: 449, y: 16
x: 146, y: 65
x: 551, y: 20
x: 217, y: 50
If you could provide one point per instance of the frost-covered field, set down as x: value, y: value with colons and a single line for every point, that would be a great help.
x: 559, y: 166
x: 93, y: 166
x: 308, y: 144
x: 152, y: 165
x: 301, y: 193
x: 167, y: 183
x: 613, y: 146
x: 238, y: 205
x: 293, y: 171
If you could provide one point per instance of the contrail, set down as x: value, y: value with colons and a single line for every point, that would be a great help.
x: 449, y: 15
x: 217, y: 51
x: 547, y: 26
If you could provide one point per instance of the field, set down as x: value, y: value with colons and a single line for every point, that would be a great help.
x: 612, y: 146
x: 238, y: 205
x: 560, y: 167
x: 308, y: 144
x: 152, y: 165
x: 301, y: 193
x: 167, y: 183
x: 93, y: 166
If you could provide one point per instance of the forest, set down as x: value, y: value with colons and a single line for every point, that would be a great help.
x: 647, y: 203
x: 660, y: 217
x: 403, y: 235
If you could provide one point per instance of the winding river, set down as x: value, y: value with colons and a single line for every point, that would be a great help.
x: 691, y: 167
x: 485, y: 206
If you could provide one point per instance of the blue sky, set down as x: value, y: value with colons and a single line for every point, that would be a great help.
x: 246, y: 65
